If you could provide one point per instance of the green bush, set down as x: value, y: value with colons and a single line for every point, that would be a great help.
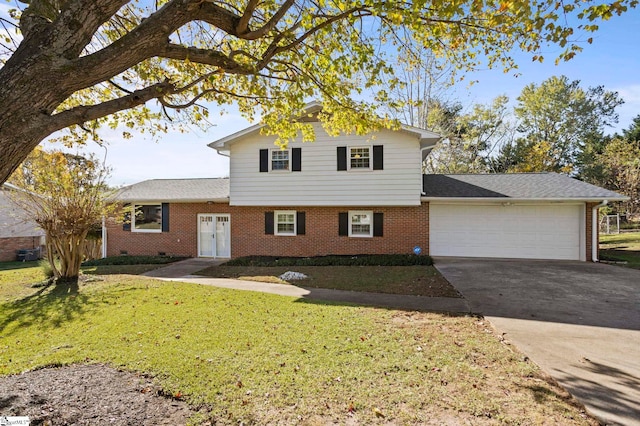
x: 357, y: 260
x: 133, y: 260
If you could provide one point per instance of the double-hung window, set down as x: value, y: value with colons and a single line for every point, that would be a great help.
x: 279, y: 159
x: 360, y: 223
x: 285, y: 222
x: 359, y: 158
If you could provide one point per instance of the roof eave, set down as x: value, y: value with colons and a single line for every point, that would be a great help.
x: 172, y: 200
x: 521, y: 199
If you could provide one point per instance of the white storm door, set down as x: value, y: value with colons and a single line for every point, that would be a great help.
x: 222, y: 236
x: 214, y: 235
x: 206, y: 235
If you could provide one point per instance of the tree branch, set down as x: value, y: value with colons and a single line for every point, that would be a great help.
x: 81, y: 114
x: 243, y: 23
x: 149, y: 39
x: 271, y: 24
x: 202, y: 56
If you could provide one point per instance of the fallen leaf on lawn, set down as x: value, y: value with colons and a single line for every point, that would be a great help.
x: 351, y: 408
x: 378, y: 413
x: 239, y: 384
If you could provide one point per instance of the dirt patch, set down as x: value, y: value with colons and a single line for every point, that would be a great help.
x: 88, y: 395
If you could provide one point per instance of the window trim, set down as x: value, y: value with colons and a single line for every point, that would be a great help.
x: 289, y: 160
x: 276, y: 223
x: 349, y: 158
x: 133, y: 218
x: 369, y: 213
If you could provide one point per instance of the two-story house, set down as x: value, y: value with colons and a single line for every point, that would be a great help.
x: 352, y: 195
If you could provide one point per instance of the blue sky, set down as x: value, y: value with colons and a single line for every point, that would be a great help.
x: 613, y: 60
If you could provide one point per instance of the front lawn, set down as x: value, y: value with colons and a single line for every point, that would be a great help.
x: 621, y: 247
x: 17, y: 278
x: 415, y: 280
x: 253, y: 358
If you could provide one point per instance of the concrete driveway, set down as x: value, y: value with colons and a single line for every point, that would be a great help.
x: 579, y: 321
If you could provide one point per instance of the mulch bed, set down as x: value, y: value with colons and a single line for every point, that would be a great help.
x: 93, y: 394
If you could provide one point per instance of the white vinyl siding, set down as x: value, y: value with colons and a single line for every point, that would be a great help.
x: 524, y: 231
x: 319, y: 183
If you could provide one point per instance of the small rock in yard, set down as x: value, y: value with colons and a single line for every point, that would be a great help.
x: 290, y: 275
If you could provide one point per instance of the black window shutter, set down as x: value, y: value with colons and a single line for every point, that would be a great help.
x: 165, y: 217
x: 378, y: 219
x: 342, y: 158
x: 300, y: 223
x: 268, y: 223
x: 343, y: 223
x: 126, y: 224
x: 296, y: 159
x: 264, y: 160
x: 378, y: 157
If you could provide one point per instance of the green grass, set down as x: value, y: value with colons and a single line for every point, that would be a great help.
x: 266, y: 359
x: 17, y: 278
x: 414, y: 280
x: 621, y: 247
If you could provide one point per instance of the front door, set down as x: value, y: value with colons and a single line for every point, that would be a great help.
x: 213, y: 235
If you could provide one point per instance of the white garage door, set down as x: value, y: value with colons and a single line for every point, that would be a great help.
x: 545, y: 231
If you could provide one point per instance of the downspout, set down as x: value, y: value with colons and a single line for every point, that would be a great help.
x: 104, y: 238
x: 422, y: 158
x: 594, y: 230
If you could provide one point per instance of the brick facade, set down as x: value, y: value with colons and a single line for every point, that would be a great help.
x: 404, y: 228
x: 589, y: 234
x: 10, y: 246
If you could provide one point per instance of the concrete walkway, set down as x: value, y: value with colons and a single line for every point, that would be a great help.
x: 183, y: 271
x: 579, y: 321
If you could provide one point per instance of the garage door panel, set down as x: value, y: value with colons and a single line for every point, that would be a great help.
x: 546, y: 231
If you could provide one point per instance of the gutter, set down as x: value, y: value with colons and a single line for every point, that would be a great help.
x: 594, y: 230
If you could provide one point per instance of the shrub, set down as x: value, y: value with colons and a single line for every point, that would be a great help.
x: 133, y: 260
x: 355, y: 260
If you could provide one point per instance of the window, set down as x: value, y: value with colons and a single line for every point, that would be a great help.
x: 360, y: 224
x: 285, y: 222
x: 279, y: 159
x: 273, y: 160
x: 359, y: 158
x: 147, y: 218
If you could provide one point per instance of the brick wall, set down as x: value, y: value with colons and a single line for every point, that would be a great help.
x: 404, y: 228
x: 9, y: 246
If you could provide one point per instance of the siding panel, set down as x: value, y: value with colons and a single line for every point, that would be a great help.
x: 320, y: 183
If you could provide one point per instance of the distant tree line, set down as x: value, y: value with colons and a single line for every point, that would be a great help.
x: 556, y: 126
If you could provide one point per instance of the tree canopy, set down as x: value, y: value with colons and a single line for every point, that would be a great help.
x: 82, y: 64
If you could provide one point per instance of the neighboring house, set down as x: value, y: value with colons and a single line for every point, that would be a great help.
x: 17, y: 231
x: 354, y: 195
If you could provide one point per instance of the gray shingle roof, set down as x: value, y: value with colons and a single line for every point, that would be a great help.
x: 14, y: 222
x: 531, y: 186
x: 176, y: 190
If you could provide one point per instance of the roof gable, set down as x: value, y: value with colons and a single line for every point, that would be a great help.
x: 427, y: 138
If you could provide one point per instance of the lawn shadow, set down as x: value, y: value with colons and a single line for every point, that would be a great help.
x: 441, y: 305
x: 546, y: 395
x: 612, y: 397
x: 49, y: 307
